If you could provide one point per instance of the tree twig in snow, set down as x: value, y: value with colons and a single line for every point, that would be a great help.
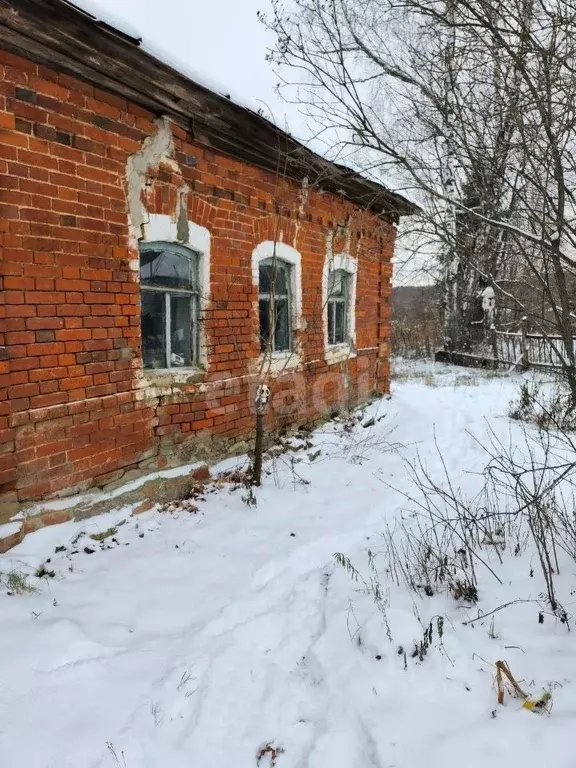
x: 500, y: 608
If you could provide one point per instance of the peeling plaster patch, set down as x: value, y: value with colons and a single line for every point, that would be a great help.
x: 182, y: 228
x: 304, y: 195
x: 277, y: 363
x: 348, y: 246
x: 304, y: 191
x: 184, y: 387
x: 160, y: 228
x: 156, y: 149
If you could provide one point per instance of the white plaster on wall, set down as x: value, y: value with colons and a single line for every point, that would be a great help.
x: 156, y: 149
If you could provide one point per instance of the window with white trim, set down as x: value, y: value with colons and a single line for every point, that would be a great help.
x: 338, y: 306
x: 275, y: 305
x: 169, y: 286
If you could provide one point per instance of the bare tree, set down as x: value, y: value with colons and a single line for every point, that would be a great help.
x: 471, y: 105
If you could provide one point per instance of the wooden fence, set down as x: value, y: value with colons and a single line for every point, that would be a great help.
x: 515, y: 349
x: 528, y: 350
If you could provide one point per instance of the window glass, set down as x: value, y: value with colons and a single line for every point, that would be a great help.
x: 282, y: 330
x: 264, y: 309
x: 265, y: 272
x: 331, y: 323
x: 153, y: 330
x: 339, y: 323
x: 169, y: 293
x: 169, y: 268
x: 338, y: 306
x: 274, y: 306
x: 180, y: 331
x: 274, y: 278
x: 337, y: 283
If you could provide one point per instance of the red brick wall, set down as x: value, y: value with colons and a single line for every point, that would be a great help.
x: 75, y: 410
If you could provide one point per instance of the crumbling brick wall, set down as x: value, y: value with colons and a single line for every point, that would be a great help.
x: 81, y: 171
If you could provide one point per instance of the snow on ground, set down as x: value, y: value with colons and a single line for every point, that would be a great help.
x: 204, y: 640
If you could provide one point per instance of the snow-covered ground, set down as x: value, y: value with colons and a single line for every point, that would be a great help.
x: 230, y: 638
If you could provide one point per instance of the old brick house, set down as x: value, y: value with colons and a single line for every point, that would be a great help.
x: 162, y: 250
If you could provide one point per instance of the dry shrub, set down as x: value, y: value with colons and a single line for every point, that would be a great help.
x: 547, y: 410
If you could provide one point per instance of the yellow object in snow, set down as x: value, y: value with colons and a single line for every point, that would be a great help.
x: 538, y: 703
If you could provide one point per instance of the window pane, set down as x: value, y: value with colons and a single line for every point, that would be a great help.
x: 337, y: 283
x: 274, y: 305
x: 280, y: 279
x: 168, y: 268
x: 153, y: 324
x: 265, y: 277
x: 274, y: 277
x: 264, y: 308
x: 282, y: 330
x: 180, y: 331
x: 339, y: 322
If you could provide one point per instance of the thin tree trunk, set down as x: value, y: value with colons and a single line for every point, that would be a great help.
x: 450, y: 299
x: 258, y: 450
x: 566, y: 330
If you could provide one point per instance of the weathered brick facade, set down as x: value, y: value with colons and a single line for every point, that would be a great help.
x: 83, y: 172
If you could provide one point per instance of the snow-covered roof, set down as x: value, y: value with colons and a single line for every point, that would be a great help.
x: 121, y: 24
x: 114, y: 20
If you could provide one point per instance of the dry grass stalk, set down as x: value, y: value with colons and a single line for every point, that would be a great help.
x: 503, y: 669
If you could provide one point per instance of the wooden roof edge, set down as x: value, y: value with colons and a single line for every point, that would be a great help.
x: 62, y: 36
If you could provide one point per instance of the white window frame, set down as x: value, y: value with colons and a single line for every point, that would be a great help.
x: 336, y: 300
x: 336, y: 353
x: 267, y: 250
x: 271, y: 298
x: 192, y: 293
x: 161, y: 228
